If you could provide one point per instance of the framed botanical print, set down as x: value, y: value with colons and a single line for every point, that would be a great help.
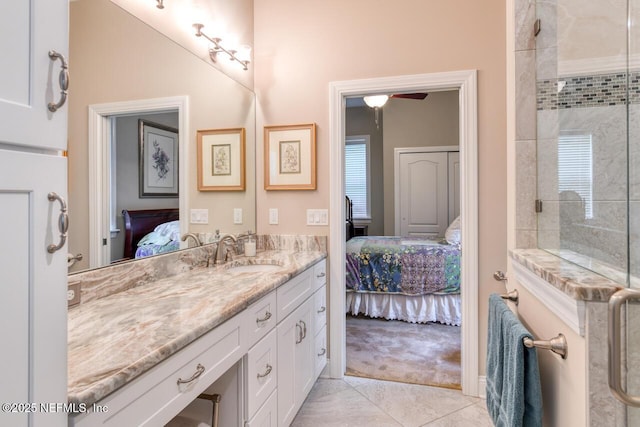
x: 290, y: 157
x: 158, y: 160
x: 221, y: 159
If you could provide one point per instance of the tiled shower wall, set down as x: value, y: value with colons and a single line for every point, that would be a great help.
x: 590, y: 103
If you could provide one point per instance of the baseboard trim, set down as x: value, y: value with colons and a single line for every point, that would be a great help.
x: 482, y: 386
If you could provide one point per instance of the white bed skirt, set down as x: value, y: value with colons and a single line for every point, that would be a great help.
x: 415, y: 309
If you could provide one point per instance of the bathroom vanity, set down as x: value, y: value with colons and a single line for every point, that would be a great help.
x: 141, y: 355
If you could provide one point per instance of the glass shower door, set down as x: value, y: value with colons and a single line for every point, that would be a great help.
x: 581, y: 71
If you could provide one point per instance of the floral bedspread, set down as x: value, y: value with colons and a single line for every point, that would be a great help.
x: 402, y: 265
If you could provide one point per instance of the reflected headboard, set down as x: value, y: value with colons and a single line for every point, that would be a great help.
x: 138, y: 224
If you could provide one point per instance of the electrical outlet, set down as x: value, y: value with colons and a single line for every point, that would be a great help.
x: 73, y: 294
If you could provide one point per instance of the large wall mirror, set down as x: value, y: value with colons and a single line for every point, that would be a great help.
x: 116, y: 60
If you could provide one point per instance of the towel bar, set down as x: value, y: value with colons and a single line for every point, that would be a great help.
x: 511, y: 296
x: 558, y: 345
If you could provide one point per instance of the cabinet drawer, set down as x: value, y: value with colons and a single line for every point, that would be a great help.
x: 267, y: 416
x: 293, y: 293
x: 319, y: 274
x: 261, y: 369
x: 155, y: 397
x: 320, y: 352
x: 259, y: 318
x: 319, y: 309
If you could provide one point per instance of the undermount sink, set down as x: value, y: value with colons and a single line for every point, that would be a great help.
x: 253, y: 268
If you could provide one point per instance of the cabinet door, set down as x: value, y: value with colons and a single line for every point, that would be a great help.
x: 295, y: 364
x: 30, y: 78
x: 33, y: 304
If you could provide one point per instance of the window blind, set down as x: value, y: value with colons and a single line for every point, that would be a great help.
x: 575, y: 168
x: 356, y: 159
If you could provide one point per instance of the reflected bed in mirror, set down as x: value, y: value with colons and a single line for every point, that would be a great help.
x: 118, y: 60
x: 150, y: 232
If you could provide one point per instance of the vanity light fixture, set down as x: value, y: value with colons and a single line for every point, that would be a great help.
x: 242, y: 55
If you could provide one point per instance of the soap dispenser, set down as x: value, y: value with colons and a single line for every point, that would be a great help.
x: 250, y: 246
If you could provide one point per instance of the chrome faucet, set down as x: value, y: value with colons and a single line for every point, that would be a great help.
x: 193, y: 236
x: 222, y: 249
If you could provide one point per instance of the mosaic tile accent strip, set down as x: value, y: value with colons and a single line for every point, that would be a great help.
x: 588, y: 91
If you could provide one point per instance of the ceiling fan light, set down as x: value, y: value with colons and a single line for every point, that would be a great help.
x: 376, y: 101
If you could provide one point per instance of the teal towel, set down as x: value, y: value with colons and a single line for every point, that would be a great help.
x: 514, y: 396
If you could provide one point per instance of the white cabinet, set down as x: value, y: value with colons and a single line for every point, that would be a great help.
x: 261, y: 373
x: 298, y: 335
x: 280, y: 362
x: 33, y: 282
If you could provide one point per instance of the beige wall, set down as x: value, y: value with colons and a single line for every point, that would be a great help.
x: 412, y: 123
x: 113, y: 57
x: 302, y: 46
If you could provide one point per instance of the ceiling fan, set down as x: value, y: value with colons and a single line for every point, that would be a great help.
x: 377, y: 101
x: 416, y: 95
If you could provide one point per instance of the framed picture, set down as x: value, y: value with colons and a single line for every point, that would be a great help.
x: 158, y: 160
x: 290, y: 157
x: 221, y: 160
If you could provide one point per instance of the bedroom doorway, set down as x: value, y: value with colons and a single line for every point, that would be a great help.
x: 397, y: 327
x: 465, y: 83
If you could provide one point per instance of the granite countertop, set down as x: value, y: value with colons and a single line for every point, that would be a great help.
x: 575, y: 281
x: 114, y: 339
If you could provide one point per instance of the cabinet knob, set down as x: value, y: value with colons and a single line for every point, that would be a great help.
x: 322, y: 309
x: 323, y: 352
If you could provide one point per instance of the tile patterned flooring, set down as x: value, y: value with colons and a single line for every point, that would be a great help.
x: 361, y: 402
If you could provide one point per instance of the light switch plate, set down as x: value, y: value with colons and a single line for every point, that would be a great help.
x: 199, y: 216
x: 273, y: 216
x: 237, y: 215
x: 317, y: 217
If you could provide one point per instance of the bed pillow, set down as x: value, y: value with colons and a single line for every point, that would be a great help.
x: 154, y: 238
x: 170, y: 229
x: 452, y: 235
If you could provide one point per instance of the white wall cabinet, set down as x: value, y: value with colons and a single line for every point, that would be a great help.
x: 33, y: 306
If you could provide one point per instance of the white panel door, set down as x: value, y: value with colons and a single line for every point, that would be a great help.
x: 30, y: 78
x: 33, y: 288
x: 423, y: 204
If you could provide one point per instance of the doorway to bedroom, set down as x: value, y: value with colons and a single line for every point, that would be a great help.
x: 402, y: 188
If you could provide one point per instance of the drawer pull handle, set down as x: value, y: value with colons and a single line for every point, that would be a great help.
x: 299, y: 337
x: 304, y: 330
x: 267, y: 372
x: 321, y: 275
x: 323, y: 352
x: 266, y: 317
x: 63, y: 80
x: 199, y: 370
x: 322, y: 309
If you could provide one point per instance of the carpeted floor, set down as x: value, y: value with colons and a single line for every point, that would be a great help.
x: 427, y: 354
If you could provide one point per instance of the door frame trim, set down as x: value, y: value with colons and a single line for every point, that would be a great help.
x: 465, y: 82
x: 99, y: 130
